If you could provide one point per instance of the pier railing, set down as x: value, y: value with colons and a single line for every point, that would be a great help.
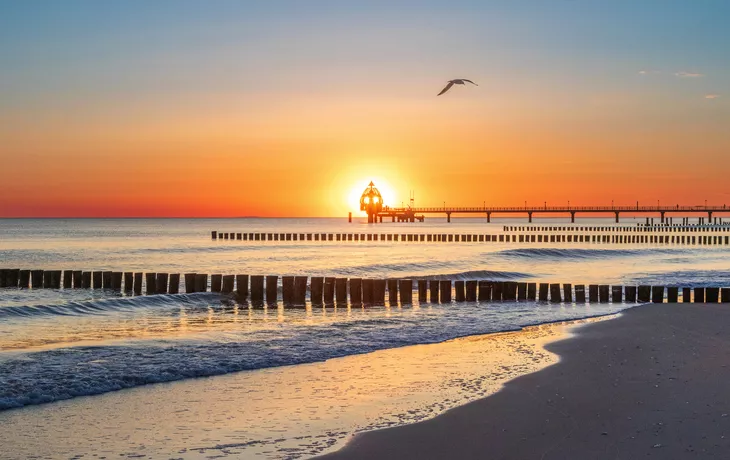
x: 264, y: 291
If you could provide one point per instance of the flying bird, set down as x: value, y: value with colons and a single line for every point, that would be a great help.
x: 458, y: 81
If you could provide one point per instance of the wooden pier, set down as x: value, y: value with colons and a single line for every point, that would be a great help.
x: 662, y: 211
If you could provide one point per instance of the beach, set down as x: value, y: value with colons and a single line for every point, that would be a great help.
x: 651, y: 383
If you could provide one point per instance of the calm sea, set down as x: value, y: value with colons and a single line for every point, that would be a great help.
x: 61, y: 344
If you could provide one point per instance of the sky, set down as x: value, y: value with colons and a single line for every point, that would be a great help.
x: 289, y: 108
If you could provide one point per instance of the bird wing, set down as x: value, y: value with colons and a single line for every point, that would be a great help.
x: 451, y: 83
x: 470, y: 82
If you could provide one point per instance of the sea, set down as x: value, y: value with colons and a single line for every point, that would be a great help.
x: 58, y: 346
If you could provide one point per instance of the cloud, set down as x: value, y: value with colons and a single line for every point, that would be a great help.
x: 688, y: 74
x: 649, y: 72
x: 712, y: 96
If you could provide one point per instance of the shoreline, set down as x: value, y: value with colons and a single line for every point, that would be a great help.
x: 648, y: 383
x: 309, y: 409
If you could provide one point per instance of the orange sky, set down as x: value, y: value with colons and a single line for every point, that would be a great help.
x: 291, y: 130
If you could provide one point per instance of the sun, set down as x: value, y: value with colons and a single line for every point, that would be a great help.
x: 386, y: 191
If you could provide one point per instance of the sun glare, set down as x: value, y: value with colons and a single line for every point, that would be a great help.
x: 353, y: 200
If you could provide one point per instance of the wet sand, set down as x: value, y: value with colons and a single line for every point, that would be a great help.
x: 653, y: 383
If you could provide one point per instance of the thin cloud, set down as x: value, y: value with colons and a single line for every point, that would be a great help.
x: 688, y: 74
x: 712, y: 96
x: 649, y: 72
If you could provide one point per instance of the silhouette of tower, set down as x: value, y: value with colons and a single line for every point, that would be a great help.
x: 371, y: 202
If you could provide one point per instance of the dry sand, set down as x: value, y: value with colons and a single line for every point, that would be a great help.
x: 653, y: 383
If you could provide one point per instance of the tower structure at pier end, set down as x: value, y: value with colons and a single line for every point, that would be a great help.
x: 371, y: 202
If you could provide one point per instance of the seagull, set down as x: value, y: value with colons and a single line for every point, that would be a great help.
x: 458, y: 81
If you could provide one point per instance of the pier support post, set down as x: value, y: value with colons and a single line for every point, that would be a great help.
x: 471, y: 291
x: 485, y: 291
x: 151, y: 280
x: 572, y: 217
x: 617, y: 219
x: 662, y: 216
x: 657, y: 294
x: 189, y: 283
x: 568, y: 292
x: 529, y: 217
x: 67, y: 279
x: 699, y: 295
x: 580, y: 293
x: 712, y: 295
x: 116, y: 281
x: 128, y: 282
x: 423, y: 291
x: 287, y: 289
x: 617, y: 294
x: 489, y: 217
x: 603, y: 291
x: 686, y: 295
x: 555, y: 296
x: 644, y: 293
x: 459, y: 288
x: 672, y: 294
x: 448, y: 217
x: 24, y: 279
x: 531, y: 291
x: 406, y: 291
x: 367, y: 291
x: 378, y: 292
x: 522, y: 291
x: 86, y: 280
x: 316, y: 289
x: 161, y: 283
x: 543, y: 292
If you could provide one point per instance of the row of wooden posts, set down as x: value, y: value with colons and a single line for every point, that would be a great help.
x: 619, y: 229
x: 479, y: 238
x: 358, y: 290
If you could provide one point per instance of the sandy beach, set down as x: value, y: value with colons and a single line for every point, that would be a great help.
x: 651, y: 383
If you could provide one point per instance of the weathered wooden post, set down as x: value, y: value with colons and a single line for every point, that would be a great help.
x: 497, y: 291
x: 189, y: 283
x: 423, y: 291
x: 106, y: 280
x: 617, y: 294
x: 214, y: 235
x: 393, y: 291
x: 445, y: 291
x: 201, y: 282
x: 151, y: 282
x: 555, y: 296
x: 128, y: 282
x: 644, y: 293
x: 459, y: 291
x: 117, y: 281
x: 174, y: 283
x: 686, y: 295
x: 657, y: 294
x: 593, y: 293
x: 257, y: 288
x: 725, y: 293
x: 47, y: 279
x: 367, y: 291
x: 272, y: 282
x: 227, y: 284
x: 241, y: 286
x: 3, y: 277
x: 287, y: 289
x: 630, y: 292
x: 471, y: 291
x: 300, y: 290
x: 603, y: 290
x: 12, y: 277
x: 316, y: 290
x: 216, y: 282
x: 161, y: 283
x: 485, y: 291
x: 96, y: 277
x: 543, y: 291
x: 67, y: 279
x: 24, y: 279
x: 433, y: 286
x: 580, y: 293
x: 521, y: 291
x: 356, y: 291
x: 340, y: 290
x: 509, y: 290
x: 378, y: 292
x: 672, y: 294
x: 568, y: 292
x: 532, y: 291
x: 86, y: 280
x: 712, y: 295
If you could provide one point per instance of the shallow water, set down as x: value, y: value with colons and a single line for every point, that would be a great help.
x: 63, y: 344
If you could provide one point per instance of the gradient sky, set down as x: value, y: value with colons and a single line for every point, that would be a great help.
x: 289, y: 108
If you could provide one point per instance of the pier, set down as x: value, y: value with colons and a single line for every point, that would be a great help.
x: 662, y: 211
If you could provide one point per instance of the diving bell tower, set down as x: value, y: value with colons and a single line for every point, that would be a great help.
x: 371, y: 202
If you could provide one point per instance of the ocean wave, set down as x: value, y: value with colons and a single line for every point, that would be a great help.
x: 684, y: 278
x: 37, y: 377
x: 106, y: 306
x: 580, y: 253
x: 479, y: 275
